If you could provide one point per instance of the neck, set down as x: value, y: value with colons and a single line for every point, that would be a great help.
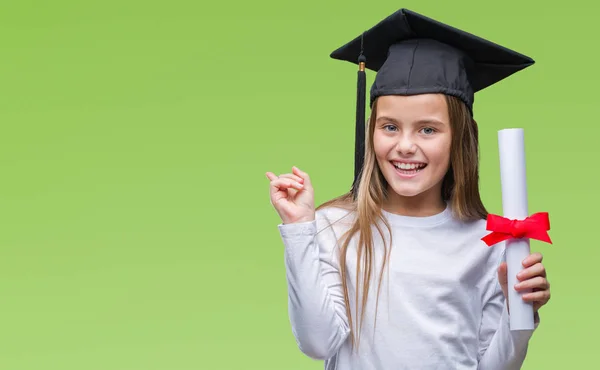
x: 422, y: 205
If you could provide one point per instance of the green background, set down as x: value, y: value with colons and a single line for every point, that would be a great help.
x: 137, y: 232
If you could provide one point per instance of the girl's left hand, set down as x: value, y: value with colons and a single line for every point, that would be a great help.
x: 533, y: 277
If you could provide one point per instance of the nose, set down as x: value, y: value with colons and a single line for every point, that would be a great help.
x: 406, y: 144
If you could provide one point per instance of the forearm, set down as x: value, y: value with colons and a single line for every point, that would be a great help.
x: 316, y: 304
x: 507, y: 349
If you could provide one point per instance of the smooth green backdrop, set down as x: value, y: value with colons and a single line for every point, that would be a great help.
x: 136, y: 230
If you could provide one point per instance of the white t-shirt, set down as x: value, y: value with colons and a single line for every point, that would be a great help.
x: 440, y: 304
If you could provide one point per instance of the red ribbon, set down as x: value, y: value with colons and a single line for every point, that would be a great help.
x: 532, y: 227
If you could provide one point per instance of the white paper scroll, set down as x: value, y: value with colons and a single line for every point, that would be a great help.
x: 514, y: 203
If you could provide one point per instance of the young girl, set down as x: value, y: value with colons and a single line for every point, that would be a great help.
x: 394, y: 274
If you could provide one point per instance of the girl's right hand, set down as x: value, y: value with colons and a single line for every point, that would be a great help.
x: 292, y: 195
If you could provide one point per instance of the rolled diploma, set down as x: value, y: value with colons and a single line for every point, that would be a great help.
x: 511, y: 144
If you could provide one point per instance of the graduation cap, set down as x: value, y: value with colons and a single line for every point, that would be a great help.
x: 413, y: 54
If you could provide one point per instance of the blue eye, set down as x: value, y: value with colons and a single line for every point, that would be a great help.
x: 389, y: 126
x: 429, y: 128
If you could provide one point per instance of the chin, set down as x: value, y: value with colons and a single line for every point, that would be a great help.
x: 412, y: 188
x: 406, y: 191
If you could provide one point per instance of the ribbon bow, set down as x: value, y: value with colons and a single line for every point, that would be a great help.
x: 533, y: 227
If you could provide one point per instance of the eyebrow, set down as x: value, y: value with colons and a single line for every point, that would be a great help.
x: 426, y: 121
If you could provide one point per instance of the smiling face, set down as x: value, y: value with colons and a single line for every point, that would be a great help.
x: 411, y: 140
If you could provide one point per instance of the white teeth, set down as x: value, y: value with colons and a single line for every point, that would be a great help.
x: 406, y: 166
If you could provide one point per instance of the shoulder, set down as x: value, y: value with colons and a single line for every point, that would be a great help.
x: 474, y: 225
x: 484, y: 260
x: 334, y: 217
x: 472, y: 232
x: 476, y: 230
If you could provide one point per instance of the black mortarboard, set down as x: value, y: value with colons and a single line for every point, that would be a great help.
x: 413, y: 54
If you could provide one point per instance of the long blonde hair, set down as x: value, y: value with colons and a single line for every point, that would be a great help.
x: 460, y: 188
